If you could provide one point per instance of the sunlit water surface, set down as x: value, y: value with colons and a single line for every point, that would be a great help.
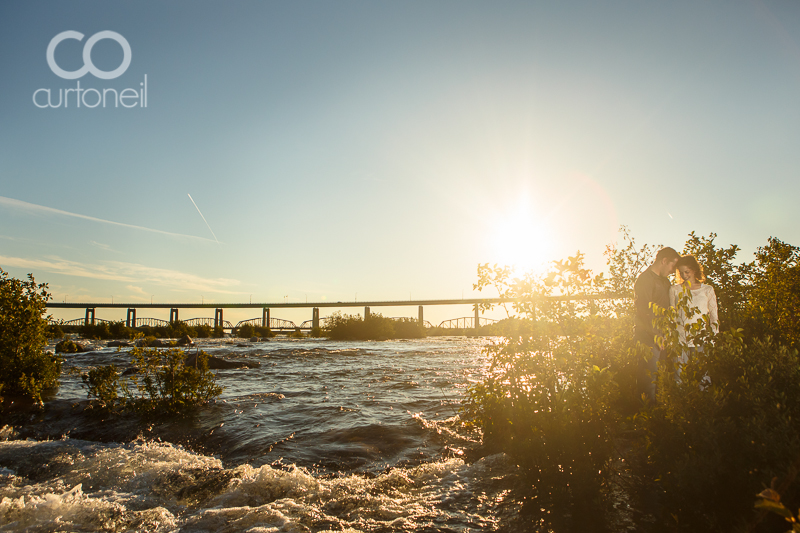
x: 321, y: 436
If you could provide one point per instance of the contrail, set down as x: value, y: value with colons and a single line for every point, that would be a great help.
x: 204, y: 218
x: 40, y: 209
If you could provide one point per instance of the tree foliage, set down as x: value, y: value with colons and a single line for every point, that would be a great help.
x: 558, y: 397
x: 25, y: 368
x: 377, y: 327
x: 550, y: 399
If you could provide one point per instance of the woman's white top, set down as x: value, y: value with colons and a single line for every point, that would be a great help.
x: 704, y: 298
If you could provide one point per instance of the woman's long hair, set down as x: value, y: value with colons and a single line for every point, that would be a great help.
x: 694, y: 266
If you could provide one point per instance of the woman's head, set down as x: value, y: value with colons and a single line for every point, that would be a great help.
x: 688, y: 269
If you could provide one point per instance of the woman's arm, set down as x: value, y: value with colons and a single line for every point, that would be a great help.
x: 713, y: 314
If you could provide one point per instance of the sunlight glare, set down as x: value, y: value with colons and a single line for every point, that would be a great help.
x: 522, y: 240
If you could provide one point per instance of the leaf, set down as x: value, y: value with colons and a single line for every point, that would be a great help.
x: 775, y: 507
x: 770, y: 494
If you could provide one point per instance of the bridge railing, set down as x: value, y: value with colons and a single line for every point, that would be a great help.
x: 465, y: 322
x: 274, y: 323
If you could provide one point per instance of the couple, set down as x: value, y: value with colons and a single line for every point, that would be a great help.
x: 653, y: 286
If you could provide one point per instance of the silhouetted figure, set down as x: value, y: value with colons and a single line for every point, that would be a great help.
x: 652, y: 287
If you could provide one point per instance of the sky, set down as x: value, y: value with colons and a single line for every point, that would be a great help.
x: 355, y: 150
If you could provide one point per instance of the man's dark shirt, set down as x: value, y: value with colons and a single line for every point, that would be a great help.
x: 649, y: 287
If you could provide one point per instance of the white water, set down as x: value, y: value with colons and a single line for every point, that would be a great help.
x: 376, y: 446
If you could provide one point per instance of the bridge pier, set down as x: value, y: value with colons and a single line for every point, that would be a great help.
x: 315, y: 317
x: 89, y: 316
x: 366, y: 313
x: 265, y: 317
x: 218, y: 317
x: 477, y: 317
x: 421, y: 321
x: 173, y: 315
x: 130, y: 321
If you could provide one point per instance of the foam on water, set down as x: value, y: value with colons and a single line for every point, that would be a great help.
x: 321, y: 436
x: 162, y: 487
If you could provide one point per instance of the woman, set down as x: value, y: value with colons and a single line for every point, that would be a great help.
x: 690, y: 277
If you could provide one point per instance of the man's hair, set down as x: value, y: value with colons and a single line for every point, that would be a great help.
x: 667, y: 253
x: 694, y: 266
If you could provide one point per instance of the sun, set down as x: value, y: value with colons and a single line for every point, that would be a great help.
x: 522, y: 240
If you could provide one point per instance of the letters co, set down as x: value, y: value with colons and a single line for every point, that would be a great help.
x: 90, y: 97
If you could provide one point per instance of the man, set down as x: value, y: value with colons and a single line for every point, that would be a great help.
x: 652, y: 286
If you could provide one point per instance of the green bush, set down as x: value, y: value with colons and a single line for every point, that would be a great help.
x: 165, y: 382
x: 560, y: 393
x: 245, y: 331
x: 25, y: 368
x: 98, y: 330
x: 263, y: 331
x: 202, y: 331
x: 102, y: 383
x: 376, y: 327
x: 548, y: 397
x: 54, y: 331
x: 773, y: 294
x: 67, y: 346
x: 731, y: 425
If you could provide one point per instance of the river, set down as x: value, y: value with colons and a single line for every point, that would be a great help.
x: 321, y: 436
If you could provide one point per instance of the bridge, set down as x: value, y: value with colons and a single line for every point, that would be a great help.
x: 266, y: 320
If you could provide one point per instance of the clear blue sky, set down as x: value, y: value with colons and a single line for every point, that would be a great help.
x: 381, y: 150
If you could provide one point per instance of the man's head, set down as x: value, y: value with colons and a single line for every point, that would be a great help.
x: 665, y: 261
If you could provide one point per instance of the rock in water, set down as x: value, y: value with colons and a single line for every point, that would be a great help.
x: 119, y: 344
x: 186, y: 340
x: 216, y: 363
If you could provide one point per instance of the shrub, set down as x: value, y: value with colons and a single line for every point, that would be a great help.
x: 407, y: 328
x: 548, y: 397
x: 68, y: 346
x: 263, y: 331
x: 560, y: 388
x: 98, y: 330
x: 102, y: 383
x: 376, y: 327
x: 732, y: 424
x: 246, y: 330
x: 203, y: 331
x: 54, y: 331
x: 166, y: 381
x: 773, y: 303
x: 25, y: 368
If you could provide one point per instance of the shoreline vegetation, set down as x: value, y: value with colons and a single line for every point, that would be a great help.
x: 338, y: 327
x: 718, y: 451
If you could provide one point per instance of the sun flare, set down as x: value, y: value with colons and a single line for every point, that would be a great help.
x: 520, y: 239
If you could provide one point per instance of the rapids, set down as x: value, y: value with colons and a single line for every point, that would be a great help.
x: 321, y: 436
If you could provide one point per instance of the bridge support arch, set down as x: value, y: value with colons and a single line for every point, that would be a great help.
x: 89, y: 319
x: 173, y: 315
x: 130, y: 320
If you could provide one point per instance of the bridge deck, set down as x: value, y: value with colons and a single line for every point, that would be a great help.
x: 273, y: 305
